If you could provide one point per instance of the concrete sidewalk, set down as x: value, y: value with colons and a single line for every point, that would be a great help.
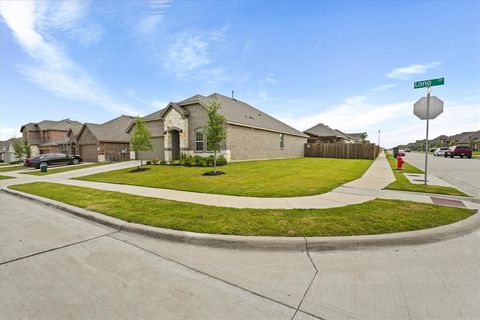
x: 374, y: 179
x: 366, y: 188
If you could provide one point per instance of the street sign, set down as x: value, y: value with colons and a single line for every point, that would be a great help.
x: 435, y: 108
x: 429, y: 83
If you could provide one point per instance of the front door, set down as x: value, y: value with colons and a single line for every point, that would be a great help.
x: 175, y: 145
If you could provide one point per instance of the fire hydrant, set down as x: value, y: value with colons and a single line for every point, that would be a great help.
x: 399, y: 162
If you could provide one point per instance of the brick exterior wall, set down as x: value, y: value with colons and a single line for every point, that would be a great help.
x: 31, y: 136
x: 112, y: 151
x: 247, y: 143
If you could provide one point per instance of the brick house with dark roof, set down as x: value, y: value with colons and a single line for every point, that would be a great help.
x: 108, y: 141
x: 49, y: 136
x: 250, y: 132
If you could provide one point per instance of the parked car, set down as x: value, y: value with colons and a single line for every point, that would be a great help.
x: 459, y: 151
x: 440, y: 151
x: 401, y: 153
x: 432, y: 149
x: 52, y: 159
x: 407, y: 150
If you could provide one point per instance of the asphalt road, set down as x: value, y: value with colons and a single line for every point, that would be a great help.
x: 56, y: 266
x: 462, y: 173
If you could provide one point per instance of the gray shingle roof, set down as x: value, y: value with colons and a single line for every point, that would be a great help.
x: 61, y: 125
x: 154, y: 115
x: 113, y: 130
x: 239, y: 112
x: 322, y: 130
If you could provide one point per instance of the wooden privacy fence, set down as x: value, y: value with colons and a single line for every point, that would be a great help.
x: 342, y: 150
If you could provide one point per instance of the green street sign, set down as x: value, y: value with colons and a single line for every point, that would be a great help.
x: 429, y: 83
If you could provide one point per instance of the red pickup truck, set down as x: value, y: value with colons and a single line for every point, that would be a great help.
x: 459, y: 151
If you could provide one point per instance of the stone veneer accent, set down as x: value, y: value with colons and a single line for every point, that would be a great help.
x: 174, y: 119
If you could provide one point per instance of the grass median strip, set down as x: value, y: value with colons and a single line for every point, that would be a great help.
x: 14, y: 168
x: 373, y: 217
x: 5, y: 177
x: 404, y: 184
x: 62, y: 169
x: 268, y: 178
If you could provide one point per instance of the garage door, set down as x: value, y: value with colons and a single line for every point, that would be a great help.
x: 89, y: 153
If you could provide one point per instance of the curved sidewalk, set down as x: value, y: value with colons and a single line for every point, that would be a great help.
x: 361, y: 190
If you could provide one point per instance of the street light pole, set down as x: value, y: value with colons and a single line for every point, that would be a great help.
x: 378, y: 138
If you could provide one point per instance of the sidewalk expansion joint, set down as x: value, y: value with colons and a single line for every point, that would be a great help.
x: 58, y: 248
x: 311, y: 282
x: 206, y: 274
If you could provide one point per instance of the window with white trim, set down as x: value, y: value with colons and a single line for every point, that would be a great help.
x: 282, y: 141
x: 199, y: 139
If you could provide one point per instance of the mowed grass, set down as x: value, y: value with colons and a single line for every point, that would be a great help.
x: 373, y: 217
x: 268, y: 178
x: 54, y: 170
x: 15, y: 167
x: 5, y: 177
x: 404, y: 184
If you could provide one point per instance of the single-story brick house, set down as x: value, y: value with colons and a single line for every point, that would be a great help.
x: 49, y: 136
x: 250, y: 133
x: 325, y: 134
x: 102, y: 142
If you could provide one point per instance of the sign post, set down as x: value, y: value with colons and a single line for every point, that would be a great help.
x: 421, y: 109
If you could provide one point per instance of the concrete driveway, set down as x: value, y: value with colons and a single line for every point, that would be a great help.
x: 56, y: 266
x: 462, y: 173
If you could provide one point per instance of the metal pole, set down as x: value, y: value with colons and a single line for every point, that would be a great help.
x: 378, y: 138
x: 426, y: 139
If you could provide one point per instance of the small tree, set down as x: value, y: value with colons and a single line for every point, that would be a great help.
x: 27, y: 150
x: 18, y: 148
x: 215, y: 131
x: 140, y: 140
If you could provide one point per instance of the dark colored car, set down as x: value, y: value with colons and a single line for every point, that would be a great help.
x: 459, y: 151
x: 52, y: 159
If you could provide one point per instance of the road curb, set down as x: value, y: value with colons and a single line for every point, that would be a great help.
x: 315, y: 244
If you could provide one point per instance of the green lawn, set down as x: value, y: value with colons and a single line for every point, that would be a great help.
x: 476, y: 154
x: 269, y: 178
x: 5, y: 177
x: 373, y: 217
x: 404, y: 184
x: 16, y: 167
x: 62, y: 169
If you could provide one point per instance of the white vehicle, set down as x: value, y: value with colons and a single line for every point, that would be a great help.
x: 440, y: 151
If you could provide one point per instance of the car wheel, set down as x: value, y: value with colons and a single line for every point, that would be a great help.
x: 42, y: 164
x: 469, y: 157
x: 75, y: 161
x: 445, y: 155
x: 461, y: 157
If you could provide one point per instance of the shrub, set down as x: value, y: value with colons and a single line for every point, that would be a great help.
x: 202, y: 162
x: 148, y: 162
x: 155, y: 161
x: 163, y: 162
x: 221, y: 161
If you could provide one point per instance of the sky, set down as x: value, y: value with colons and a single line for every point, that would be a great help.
x: 350, y: 65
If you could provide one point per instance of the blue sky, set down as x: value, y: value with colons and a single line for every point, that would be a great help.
x: 350, y: 65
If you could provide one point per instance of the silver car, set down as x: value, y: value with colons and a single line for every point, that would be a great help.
x: 440, y: 151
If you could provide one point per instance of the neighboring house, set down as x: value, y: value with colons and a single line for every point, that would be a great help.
x: 103, y: 142
x: 7, y: 152
x: 49, y: 136
x: 359, y: 137
x: 472, y: 139
x: 323, y: 133
x: 250, y: 133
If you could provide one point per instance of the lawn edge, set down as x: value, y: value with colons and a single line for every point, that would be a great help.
x: 264, y: 243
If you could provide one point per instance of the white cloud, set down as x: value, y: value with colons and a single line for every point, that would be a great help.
x: 193, y: 55
x: 148, y: 24
x: 355, y: 100
x: 385, y: 87
x: 54, y: 70
x: 406, y: 73
x: 271, y: 78
x: 7, y: 133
